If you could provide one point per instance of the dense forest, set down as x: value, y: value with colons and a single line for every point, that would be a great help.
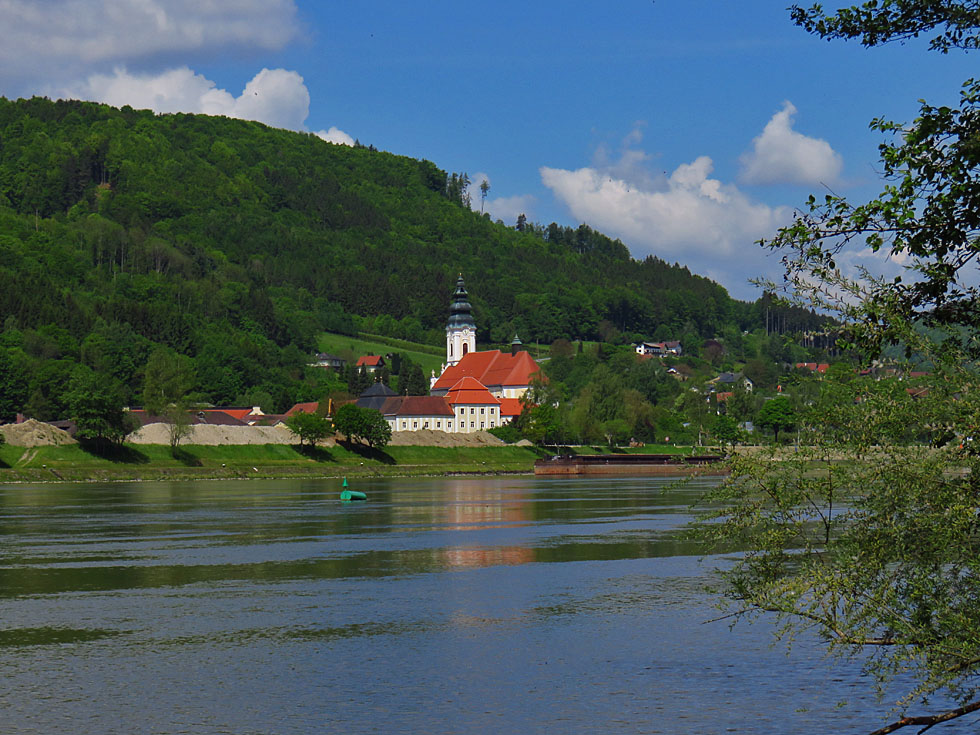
x: 123, y: 232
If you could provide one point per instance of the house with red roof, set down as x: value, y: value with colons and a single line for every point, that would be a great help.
x: 310, y: 407
x: 510, y: 409
x: 474, y: 406
x: 371, y: 362
x: 813, y: 367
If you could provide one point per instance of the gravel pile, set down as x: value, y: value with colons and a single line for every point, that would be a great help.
x: 214, y: 436
x: 430, y: 438
x: 34, y: 433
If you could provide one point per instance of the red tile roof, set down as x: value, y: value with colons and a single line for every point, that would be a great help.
x: 303, y: 408
x: 491, y: 368
x: 217, y: 417
x: 369, y: 360
x: 470, y: 391
x: 510, y: 407
x: 814, y: 367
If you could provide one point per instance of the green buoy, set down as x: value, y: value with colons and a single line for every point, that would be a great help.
x: 347, y: 494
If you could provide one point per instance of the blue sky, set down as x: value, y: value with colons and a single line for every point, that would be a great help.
x: 687, y: 128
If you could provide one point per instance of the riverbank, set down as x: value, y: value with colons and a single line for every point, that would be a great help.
x: 74, y: 463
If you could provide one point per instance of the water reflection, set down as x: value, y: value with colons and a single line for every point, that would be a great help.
x: 477, y: 605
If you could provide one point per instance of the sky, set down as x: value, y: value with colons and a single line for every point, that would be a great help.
x: 689, y: 129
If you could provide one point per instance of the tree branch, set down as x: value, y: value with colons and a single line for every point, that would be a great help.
x: 930, y: 720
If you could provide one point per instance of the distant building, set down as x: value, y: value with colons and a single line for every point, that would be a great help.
x: 326, y: 360
x: 729, y: 381
x: 659, y: 349
x: 504, y: 375
x: 371, y: 363
x: 813, y: 367
x: 375, y: 396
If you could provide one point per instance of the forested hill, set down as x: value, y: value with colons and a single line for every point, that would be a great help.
x: 235, y: 243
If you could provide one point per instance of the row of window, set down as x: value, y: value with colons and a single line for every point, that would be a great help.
x: 449, y: 424
x: 493, y: 411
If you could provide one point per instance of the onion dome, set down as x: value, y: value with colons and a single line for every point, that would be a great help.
x: 460, y: 310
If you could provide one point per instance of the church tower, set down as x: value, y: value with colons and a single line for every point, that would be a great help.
x: 460, y: 329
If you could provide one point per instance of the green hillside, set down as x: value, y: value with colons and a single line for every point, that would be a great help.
x: 350, y: 347
x: 123, y: 232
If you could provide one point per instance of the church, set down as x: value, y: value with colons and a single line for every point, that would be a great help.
x: 503, y: 375
x: 476, y: 390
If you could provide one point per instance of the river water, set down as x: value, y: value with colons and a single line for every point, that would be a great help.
x: 440, y: 605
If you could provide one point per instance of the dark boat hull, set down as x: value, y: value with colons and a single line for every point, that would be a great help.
x: 654, y: 465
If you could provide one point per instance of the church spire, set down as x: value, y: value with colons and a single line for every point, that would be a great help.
x: 460, y: 329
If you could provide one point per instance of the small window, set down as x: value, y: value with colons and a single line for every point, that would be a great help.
x: 415, y: 424
x: 492, y: 424
x: 438, y: 424
x: 482, y: 410
x: 492, y: 410
x: 462, y: 411
x: 449, y: 424
x: 425, y: 425
x: 482, y: 425
x: 472, y: 424
x: 472, y: 411
x: 403, y: 424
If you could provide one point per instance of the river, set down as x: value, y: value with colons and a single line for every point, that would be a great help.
x: 440, y: 605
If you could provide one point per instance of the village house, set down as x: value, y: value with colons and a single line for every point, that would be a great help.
x: 370, y: 363
x: 326, y: 360
x: 729, y: 381
x: 659, y: 349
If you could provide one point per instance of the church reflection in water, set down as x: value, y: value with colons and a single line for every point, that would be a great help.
x: 475, y: 515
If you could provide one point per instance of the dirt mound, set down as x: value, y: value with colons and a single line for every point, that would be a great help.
x: 34, y: 433
x: 210, y: 435
x: 430, y: 438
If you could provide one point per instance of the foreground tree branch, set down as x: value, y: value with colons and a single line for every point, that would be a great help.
x: 929, y: 720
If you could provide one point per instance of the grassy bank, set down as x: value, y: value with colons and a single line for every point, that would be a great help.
x: 155, y: 462
x: 145, y: 462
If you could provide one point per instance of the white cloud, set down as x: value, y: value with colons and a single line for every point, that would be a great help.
x: 65, y: 39
x: 276, y: 97
x: 688, y: 216
x: 508, y: 209
x: 780, y: 155
x: 335, y: 135
x: 693, y: 215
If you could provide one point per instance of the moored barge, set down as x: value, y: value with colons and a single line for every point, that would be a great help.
x: 658, y: 465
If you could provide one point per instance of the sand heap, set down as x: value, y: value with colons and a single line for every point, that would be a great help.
x: 33, y: 433
x: 430, y: 438
x: 210, y: 435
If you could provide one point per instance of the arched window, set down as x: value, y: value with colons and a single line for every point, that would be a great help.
x: 466, y: 348
x: 450, y: 349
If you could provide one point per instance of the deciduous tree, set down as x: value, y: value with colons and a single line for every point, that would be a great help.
x: 867, y: 533
x: 309, y: 427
